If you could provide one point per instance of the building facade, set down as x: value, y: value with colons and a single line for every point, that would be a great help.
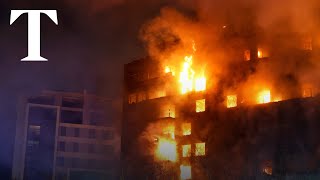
x: 62, y: 135
x: 215, y: 133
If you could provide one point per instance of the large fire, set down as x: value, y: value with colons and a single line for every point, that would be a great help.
x: 167, y: 146
x: 189, y: 80
x: 166, y: 150
x: 264, y: 97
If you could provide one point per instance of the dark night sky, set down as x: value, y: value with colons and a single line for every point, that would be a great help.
x: 86, y: 50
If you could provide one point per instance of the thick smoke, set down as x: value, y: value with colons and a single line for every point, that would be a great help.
x: 277, y: 27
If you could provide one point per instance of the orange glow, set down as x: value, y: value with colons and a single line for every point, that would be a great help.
x: 200, y: 84
x: 201, y: 105
x: 186, y: 129
x: 200, y: 149
x: 166, y: 150
x: 260, y: 55
x: 187, y: 75
x: 185, y: 172
x: 231, y: 101
x: 168, y: 69
x: 188, y: 79
x: 186, y: 150
x: 169, y: 130
x: 264, y: 97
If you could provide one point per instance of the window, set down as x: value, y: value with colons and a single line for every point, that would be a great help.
x: 63, y: 131
x: 185, y: 172
x: 186, y: 129
x: 62, y: 146
x: 132, y: 98
x: 107, y: 135
x: 92, y: 133
x: 200, y: 149
x: 186, y: 150
x: 76, y: 132
x: 307, y: 43
x: 247, y: 55
x: 91, y: 148
x: 60, y: 161
x: 75, y: 147
x: 267, y: 167
x: 231, y: 101
x: 156, y: 94
x: 73, y: 117
x: 142, y: 96
x: 307, y: 92
x: 260, y: 53
x: 168, y: 110
x: 200, y: 105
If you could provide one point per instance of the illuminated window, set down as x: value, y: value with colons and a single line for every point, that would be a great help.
x: 200, y: 149
x: 186, y: 129
x: 200, y: 105
x: 156, y: 94
x: 168, y: 110
x: 264, y: 97
x: 186, y: 150
x: 307, y: 43
x: 142, y: 96
x: 231, y: 101
x: 267, y: 167
x: 200, y: 84
x: 185, y: 172
x: 169, y: 130
x: 260, y: 53
x: 247, y: 55
x: 132, y: 98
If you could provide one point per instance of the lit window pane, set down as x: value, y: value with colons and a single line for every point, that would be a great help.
x: 185, y: 172
x: 200, y: 149
x: 200, y: 105
x: 186, y: 129
x: 231, y: 101
x: 186, y: 150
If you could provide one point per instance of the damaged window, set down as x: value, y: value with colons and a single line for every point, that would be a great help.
x: 200, y: 149
x: 200, y: 105
x: 186, y: 150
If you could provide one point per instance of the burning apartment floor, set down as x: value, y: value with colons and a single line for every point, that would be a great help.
x: 236, y: 103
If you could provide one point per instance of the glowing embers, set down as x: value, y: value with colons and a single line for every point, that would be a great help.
x: 231, y: 101
x: 186, y: 150
x: 185, y: 172
x: 200, y: 149
x: 201, y: 105
x: 264, y: 97
x: 186, y: 129
x: 167, y: 149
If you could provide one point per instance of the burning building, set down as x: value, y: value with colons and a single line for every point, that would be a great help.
x: 252, y: 113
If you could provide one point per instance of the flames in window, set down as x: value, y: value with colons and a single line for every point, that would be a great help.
x: 186, y: 150
x: 200, y: 149
x: 200, y: 105
x: 166, y: 149
x: 264, y: 96
x: 186, y: 129
x: 231, y: 101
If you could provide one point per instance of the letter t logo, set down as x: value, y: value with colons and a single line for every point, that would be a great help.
x: 34, y: 30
